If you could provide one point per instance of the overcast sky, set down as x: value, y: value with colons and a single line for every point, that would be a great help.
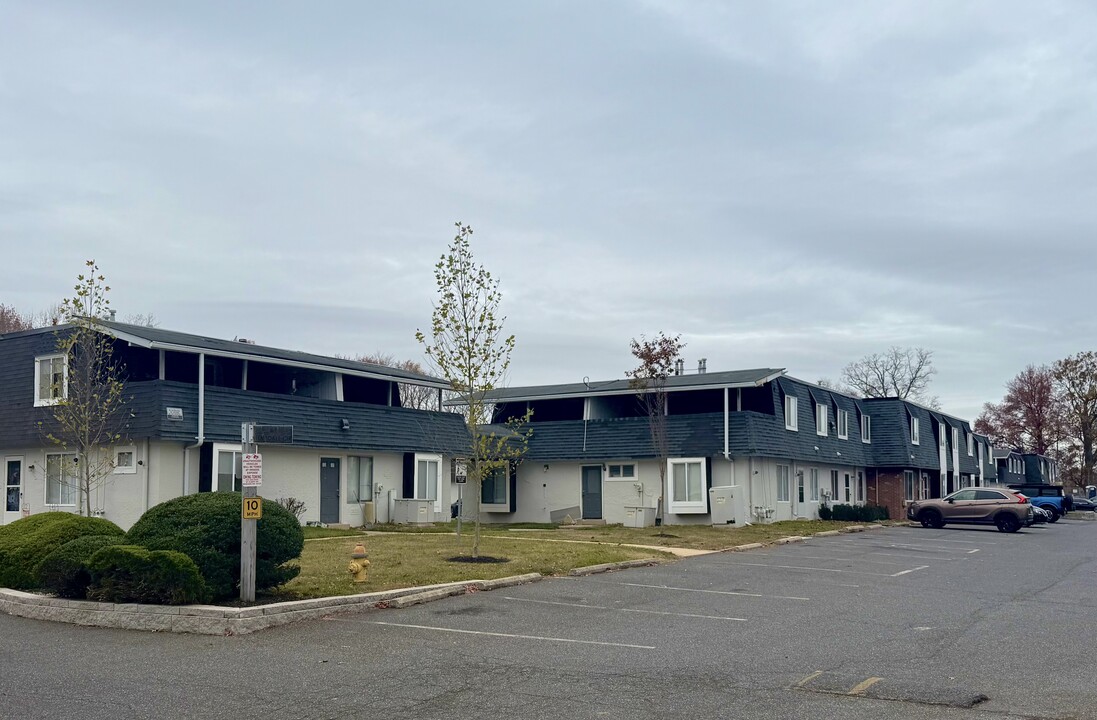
x: 786, y: 184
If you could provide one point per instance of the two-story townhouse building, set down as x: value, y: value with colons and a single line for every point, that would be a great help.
x: 785, y: 446
x: 1010, y: 466
x: 355, y: 452
x: 1040, y: 469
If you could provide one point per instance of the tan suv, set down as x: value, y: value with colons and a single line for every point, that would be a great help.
x: 1007, y: 510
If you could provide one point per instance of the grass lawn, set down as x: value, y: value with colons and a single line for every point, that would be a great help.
x: 312, y: 533
x: 400, y: 560
x: 700, y: 537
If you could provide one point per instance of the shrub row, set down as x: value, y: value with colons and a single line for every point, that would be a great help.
x: 853, y: 513
x: 183, y: 550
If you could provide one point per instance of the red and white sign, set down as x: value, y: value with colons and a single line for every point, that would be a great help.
x: 253, y: 470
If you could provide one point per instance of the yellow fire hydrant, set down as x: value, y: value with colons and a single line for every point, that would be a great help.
x: 359, y: 563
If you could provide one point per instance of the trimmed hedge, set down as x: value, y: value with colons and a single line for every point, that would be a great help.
x: 206, y: 528
x: 853, y: 513
x: 25, y: 543
x: 64, y: 572
x: 128, y: 573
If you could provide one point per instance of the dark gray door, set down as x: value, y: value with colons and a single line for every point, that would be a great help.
x: 329, y: 490
x: 592, y: 492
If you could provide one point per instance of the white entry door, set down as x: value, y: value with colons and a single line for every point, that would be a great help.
x: 13, y: 490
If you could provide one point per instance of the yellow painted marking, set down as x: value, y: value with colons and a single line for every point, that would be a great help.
x: 809, y: 678
x: 861, y: 687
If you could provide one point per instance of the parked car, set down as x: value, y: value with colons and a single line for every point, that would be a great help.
x: 1085, y: 504
x: 1006, y: 510
x: 1039, y: 515
x: 1038, y: 490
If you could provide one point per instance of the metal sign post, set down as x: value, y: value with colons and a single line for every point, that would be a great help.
x: 252, y: 466
x: 460, y: 472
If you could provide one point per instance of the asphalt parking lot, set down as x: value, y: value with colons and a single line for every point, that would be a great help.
x: 900, y: 622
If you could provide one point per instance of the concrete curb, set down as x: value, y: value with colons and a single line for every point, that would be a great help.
x: 608, y: 567
x: 215, y: 620
x: 748, y: 546
x: 801, y: 538
x: 790, y: 539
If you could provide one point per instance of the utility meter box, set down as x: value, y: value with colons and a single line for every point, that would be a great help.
x: 413, y: 512
x: 639, y: 517
x: 726, y: 505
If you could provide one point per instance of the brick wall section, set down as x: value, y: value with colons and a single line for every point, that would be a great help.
x: 886, y: 488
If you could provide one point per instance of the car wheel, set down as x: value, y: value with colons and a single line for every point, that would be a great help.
x: 1007, y: 524
x: 1053, y: 514
x: 931, y: 518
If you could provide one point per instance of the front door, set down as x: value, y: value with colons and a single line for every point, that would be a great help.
x: 592, y: 492
x: 13, y: 490
x: 329, y: 490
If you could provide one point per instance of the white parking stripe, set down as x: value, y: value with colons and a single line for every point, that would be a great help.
x: 811, y: 569
x: 855, y: 559
x: 714, y: 592
x: 631, y: 610
x: 904, y: 572
x: 518, y: 637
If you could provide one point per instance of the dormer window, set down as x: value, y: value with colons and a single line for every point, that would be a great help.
x: 914, y: 435
x: 821, y: 419
x: 791, y: 407
x: 866, y: 428
x: 843, y: 424
x: 51, y: 380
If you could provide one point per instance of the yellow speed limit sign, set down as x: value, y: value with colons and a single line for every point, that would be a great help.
x: 253, y: 508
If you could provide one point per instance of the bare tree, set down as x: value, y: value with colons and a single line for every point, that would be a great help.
x: 11, y: 320
x: 1030, y: 416
x: 50, y: 317
x: 902, y: 372
x: 1076, y: 385
x: 656, y: 358
x: 411, y: 396
x: 88, y: 395
x: 467, y: 347
x: 145, y: 319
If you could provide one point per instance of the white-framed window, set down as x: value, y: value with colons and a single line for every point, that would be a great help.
x: 495, y: 487
x: 849, y: 494
x: 428, y: 471
x: 359, y: 479
x: 61, y: 479
x: 51, y: 379
x: 125, y: 460
x: 970, y: 445
x: 782, y: 483
x: 834, y: 497
x: 13, y: 484
x: 791, y: 407
x: 813, y: 485
x: 955, y: 439
x: 908, y: 485
x: 914, y: 434
x: 621, y: 472
x: 843, y: 424
x: 866, y: 428
x: 686, y: 477
x: 228, y: 468
x: 980, y: 454
x: 821, y: 419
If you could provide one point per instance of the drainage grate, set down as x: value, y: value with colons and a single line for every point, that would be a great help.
x: 884, y: 689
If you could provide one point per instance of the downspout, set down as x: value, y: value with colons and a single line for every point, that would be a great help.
x: 148, y: 469
x: 726, y: 425
x: 201, y: 420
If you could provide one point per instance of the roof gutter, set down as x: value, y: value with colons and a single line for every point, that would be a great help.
x: 201, y: 440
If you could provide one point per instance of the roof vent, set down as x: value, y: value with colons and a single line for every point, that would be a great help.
x: 702, y: 366
x: 245, y: 341
x: 679, y: 367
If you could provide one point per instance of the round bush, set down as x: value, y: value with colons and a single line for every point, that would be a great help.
x: 64, y: 572
x: 206, y: 528
x: 129, y: 573
x: 26, y: 543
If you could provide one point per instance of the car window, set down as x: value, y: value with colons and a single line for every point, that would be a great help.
x: 962, y: 495
x: 989, y: 495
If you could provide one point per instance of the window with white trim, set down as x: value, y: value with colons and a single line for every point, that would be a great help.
x: 61, y: 479
x: 125, y: 460
x: 914, y: 434
x: 834, y: 486
x: 908, y: 485
x: 51, y: 379
x: 228, y: 468
x: 843, y: 424
x: 814, y: 485
x: 866, y: 428
x: 821, y: 419
x: 621, y: 472
x: 495, y: 487
x: 428, y: 471
x: 791, y: 408
x: 686, y: 478
x: 955, y: 439
x: 980, y: 454
x: 849, y: 495
x: 782, y: 483
x: 359, y: 479
x: 970, y: 445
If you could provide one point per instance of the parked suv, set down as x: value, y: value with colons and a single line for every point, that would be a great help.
x: 1035, y: 490
x: 983, y: 506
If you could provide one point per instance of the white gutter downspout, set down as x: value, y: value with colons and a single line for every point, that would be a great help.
x: 201, y: 421
x: 726, y: 425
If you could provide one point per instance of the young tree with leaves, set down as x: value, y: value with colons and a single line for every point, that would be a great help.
x: 467, y: 346
x: 656, y: 358
x: 89, y: 417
